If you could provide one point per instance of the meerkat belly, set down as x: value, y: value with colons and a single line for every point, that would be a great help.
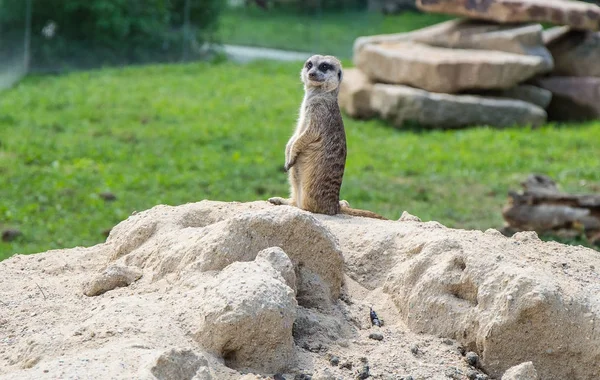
x: 320, y: 179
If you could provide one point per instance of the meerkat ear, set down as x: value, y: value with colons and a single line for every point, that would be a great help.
x: 340, y: 75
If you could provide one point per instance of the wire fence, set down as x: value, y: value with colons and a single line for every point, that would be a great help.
x: 52, y: 36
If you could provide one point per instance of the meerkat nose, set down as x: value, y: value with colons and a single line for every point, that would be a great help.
x: 312, y: 75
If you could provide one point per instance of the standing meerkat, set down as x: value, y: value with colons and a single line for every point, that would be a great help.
x: 315, y: 155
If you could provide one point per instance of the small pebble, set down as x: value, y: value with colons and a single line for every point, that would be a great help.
x: 472, y: 358
x: 474, y: 375
x: 278, y: 376
x: 334, y: 360
x: 453, y: 373
x: 376, y: 336
x: 303, y: 376
x: 363, y: 373
x: 414, y: 349
x: 346, y: 364
x: 409, y: 377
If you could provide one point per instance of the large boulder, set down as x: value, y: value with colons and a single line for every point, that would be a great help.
x: 246, y: 315
x: 470, y: 34
x: 576, y: 14
x: 573, y: 98
x: 355, y: 94
x: 525, y: 92
x: 576, y: 53
x: 446, y: 70
x: 473, y: 34
x: 401, y: 104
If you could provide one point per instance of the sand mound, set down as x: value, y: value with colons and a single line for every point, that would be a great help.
x: 216, y: 290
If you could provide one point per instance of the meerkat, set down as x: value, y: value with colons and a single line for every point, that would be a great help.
x: 315, y: 155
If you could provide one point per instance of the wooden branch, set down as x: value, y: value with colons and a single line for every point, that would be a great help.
x: 541, y: 207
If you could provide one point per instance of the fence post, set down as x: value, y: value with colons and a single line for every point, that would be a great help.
x: 27, y: 42
x: 186, y: 30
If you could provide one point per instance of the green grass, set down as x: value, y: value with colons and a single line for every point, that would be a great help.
x: 183, y: 133
x: 326, y: 33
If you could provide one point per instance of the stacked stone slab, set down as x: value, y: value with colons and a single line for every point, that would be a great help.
x: 575, y: 81
x: 475, y: 71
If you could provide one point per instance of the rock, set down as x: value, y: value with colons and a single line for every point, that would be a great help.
x: 355, y: 94
x: 407, y: 217
x: 523, y: 371
x: 10, y: 234
x: 445, y: 70
x: 334, y: 361
x: 303, y: 376
x: 363, y: 372
x: 402, y: 104
x: 576, y: 14
x: 115, y: 276
x: 473, y: 359
x: 177, y: 364
x: 576, y: 53
x: 376, y: 336
x: 279, y: 260
x: 346, y: 365
x: 472, y: 34
x: 414, y: 349
x: 246, y: 317
x: 525, y: 92
x: 573, y: 98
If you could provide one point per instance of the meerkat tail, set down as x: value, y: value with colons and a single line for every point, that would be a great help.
x: 358, y: 212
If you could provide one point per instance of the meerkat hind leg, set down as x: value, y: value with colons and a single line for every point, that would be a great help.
x: 344, y: 203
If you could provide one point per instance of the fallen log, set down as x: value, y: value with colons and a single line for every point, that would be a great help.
x: 541, y: 207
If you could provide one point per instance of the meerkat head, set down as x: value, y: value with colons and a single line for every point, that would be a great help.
x: 323, y: 72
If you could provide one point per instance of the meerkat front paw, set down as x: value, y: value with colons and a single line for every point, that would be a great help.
x: 278, y: 201
x: 288, y: 165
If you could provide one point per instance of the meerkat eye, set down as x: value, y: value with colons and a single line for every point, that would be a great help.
x: 324, y: 67
x: 309, y: 65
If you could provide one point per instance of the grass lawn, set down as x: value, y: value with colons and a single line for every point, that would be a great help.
x: 326, y: 33
x: 183, y: 133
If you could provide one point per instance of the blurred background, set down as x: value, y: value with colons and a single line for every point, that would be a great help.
x: 113, y: 106
x: 50, y: 36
